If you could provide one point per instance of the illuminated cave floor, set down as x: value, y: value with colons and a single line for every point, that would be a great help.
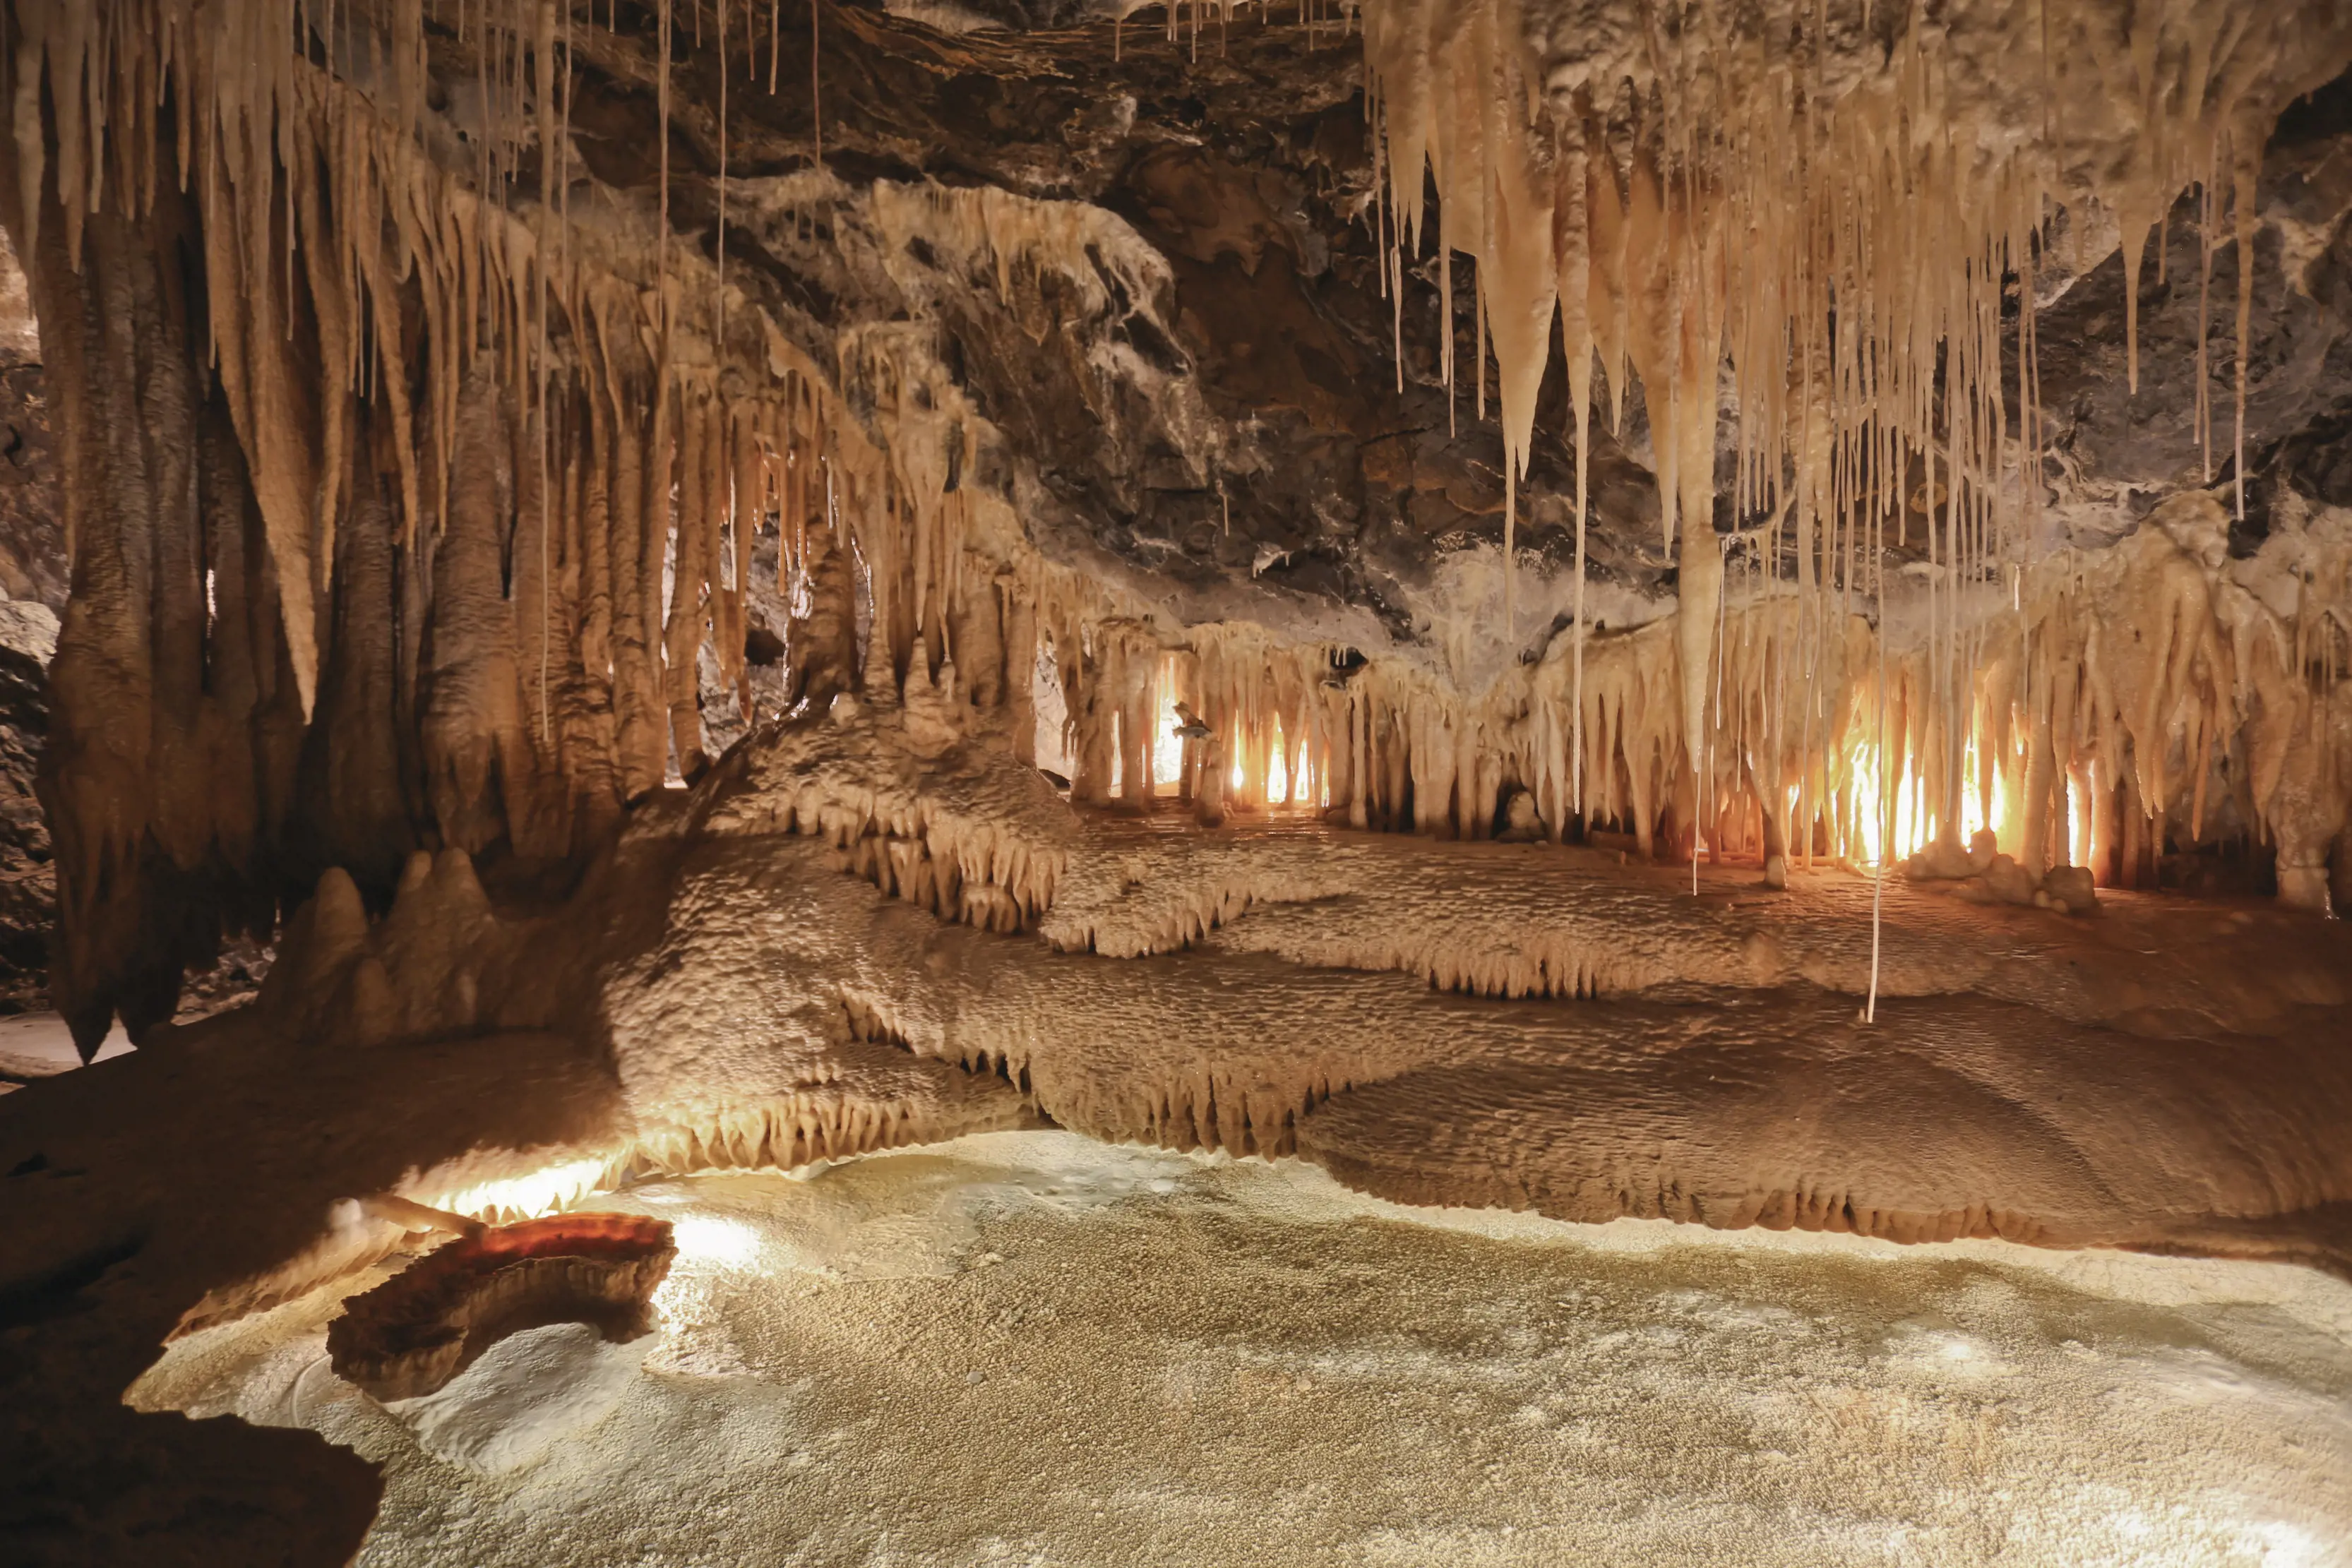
x: 1030, y: 1348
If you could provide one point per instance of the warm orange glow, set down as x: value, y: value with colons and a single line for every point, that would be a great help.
x: 1277, y: 773
x: 1911, y: 824
x: 1972, y: 803
x: 2004, y: 814
x: 1869, y: 810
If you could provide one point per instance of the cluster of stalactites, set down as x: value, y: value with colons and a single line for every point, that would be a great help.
x: 1674, y: 228
x: 1228, y: 721
x: 1184, y: 22
x: 1818, y: 209
x: 473, y: 491
x: 477, y: 491
x: 2112, y: 703
x: 315, y: 205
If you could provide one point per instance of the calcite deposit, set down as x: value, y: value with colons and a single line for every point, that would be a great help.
x: 1611, y: 607
x: 417, y: 1330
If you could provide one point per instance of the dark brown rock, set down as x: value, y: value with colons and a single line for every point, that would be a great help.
x: 417, y: 1330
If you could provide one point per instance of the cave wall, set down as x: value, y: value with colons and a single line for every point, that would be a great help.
x: 33, y: 579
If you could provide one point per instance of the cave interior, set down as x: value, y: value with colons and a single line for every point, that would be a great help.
x: 606, y: 596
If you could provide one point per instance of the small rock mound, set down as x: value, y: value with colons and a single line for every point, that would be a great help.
x: 417, y: 1330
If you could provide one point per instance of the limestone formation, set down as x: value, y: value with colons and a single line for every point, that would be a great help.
x: 417, y: 1330
x: 1614, y: 607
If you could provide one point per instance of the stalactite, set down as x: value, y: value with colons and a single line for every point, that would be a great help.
x: 747, y: 508
x: 476, y: 759
x: 637, y: 707
x: 821, y: 637
x: 687, y: 621
x: 352, y: 762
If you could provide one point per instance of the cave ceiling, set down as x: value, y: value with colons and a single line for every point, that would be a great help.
x: 1237, y: 422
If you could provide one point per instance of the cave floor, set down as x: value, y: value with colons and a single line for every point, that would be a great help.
x: 1033, y: 1348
